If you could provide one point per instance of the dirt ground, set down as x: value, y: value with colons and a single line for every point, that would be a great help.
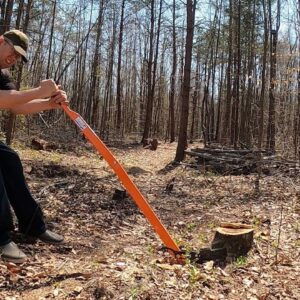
x: 111, y: 251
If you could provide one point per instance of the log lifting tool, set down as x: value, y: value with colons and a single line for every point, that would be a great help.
x: 125, y: 179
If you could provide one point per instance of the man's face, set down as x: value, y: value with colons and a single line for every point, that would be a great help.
x: 8, y: 55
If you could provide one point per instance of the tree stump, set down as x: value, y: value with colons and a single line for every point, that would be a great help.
x: 119, y: 194
x: 231, y: 241
x: 236, y: 238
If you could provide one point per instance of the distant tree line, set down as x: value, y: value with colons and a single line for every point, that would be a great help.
x: 225, y: 72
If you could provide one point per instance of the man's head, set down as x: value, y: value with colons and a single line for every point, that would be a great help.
x: 13, y: 46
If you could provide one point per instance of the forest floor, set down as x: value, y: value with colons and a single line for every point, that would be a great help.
x: 111, y: 251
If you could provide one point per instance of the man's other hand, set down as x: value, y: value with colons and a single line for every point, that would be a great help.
x: 48, y: 88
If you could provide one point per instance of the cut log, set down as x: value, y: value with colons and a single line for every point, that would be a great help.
x: 235, y: 237
x: 40, y: 144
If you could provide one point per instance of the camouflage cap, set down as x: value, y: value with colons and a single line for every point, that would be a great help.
x: 19, y: 41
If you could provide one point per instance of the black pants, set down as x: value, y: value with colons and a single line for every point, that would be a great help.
x: 15, y: 192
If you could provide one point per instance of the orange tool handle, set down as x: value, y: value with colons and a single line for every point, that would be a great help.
x: 124, y: 178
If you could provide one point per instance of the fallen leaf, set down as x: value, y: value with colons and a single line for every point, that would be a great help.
x: 78, y: 289
x: 247, y: 282
x: 167, y: 267
x: 209, y: 265
x: 55, y: 292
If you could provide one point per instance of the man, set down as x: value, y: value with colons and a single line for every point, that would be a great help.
x: 14, y: 191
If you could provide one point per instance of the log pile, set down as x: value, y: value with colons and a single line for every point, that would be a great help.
x: 242, y: 162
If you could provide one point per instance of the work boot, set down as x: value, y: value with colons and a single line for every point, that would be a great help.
x: 11, y: 252
x: 50, y: 237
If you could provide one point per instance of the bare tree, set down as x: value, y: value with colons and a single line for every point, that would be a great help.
x: 173, y: 77
x: 119, y: 83
x: 272, y: 105
x: 152, y: 65
x: 182, y: 139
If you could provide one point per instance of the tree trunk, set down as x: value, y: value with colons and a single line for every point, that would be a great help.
x: 263, y: 80
x: 2, y: 15
x: 195, y: 95
x: 182, y: 139
x: 152, y: 73
x: 119, y: 83
x: 236, y: 106
x: 214, y: 64
x: 219, y: 113
x: 171, y: 122
x: 272, y: 105
x: 227, y: 117
x: 51, y: 40
x: 204, y: 106
x: 297, y: 118
x: 147, y: 123
x: 95, y: 81
x: 173, y: 79
x: 297, y: 122
x: 6, y: 14
x: 106, y: 112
